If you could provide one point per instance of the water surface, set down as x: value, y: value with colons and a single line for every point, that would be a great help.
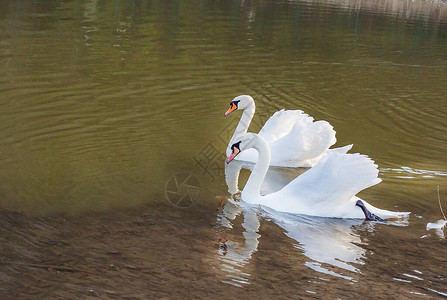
x: 103, y: 102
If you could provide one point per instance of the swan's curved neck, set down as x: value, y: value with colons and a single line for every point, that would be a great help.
x: 253, y: 185
x: 244, y: 122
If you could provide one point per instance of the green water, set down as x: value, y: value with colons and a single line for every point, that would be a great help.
x: 102, y: 102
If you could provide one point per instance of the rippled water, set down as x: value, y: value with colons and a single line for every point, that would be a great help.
x: 107, y: 106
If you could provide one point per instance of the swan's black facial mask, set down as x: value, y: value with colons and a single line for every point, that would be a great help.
x: 235, y: 148
x: 233, y: 106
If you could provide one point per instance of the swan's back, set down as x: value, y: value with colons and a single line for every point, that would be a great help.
x: 328, y: 189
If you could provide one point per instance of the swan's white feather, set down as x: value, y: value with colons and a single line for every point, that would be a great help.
x: 282, y: 122
x: 294, y: 138
x: 328, y: 189
x: 303, y: 144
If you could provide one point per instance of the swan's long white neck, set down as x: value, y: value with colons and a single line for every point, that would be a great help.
x: 253, y: 185
x: 244, y: 123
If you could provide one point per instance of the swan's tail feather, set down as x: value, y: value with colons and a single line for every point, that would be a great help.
x: 341, y: 150
x: 386, y: 214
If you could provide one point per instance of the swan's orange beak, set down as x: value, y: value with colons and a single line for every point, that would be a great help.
x: 232, y: 108
x: 235, y: 152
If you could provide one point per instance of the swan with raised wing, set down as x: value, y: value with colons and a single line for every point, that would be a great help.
x: 326, y: 190
x: 294, y: 138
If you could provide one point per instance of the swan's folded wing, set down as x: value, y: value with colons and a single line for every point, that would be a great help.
x: 304, y: 143
x: 332, y: 183
x: 281, y: 123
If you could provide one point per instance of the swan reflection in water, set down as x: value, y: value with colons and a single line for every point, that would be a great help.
x: 324, y: 241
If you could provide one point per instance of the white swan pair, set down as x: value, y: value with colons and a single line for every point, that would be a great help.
x: 294, y: 139
x: 327, y: 190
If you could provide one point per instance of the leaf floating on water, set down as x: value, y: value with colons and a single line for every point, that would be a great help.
x: 440, y: 224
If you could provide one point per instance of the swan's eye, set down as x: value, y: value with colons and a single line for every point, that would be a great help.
x: 236, y: 145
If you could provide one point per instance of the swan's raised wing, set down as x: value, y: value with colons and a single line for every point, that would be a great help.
x: 328, y: 189
x: 281, y: 123
x: 304, y: 144
x: 277, y: 127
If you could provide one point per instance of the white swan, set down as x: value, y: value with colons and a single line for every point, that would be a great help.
x: 326, y: 190
x: 294, y: 138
